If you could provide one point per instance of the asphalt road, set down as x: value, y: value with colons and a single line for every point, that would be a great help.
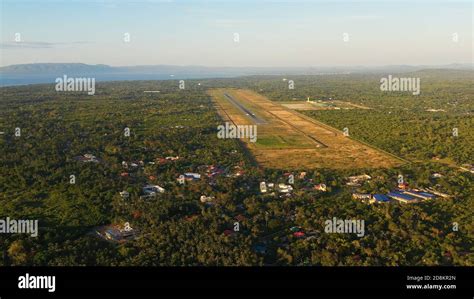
x: 247, y: 112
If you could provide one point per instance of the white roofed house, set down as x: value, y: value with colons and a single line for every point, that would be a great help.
x: 283, y: 188
x: 151, y: 191
x: 263, y: 187
x: 88, y: 158
x: 124, y: 194
x: 365, y: 197
x: 357, y: 180
x: 153, y: 188
x: 205, y: 198
x: 118, y: 233
x: 191, y: 176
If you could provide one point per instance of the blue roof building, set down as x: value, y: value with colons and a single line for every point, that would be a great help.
x: 422, y: 195
x: 381, y: 198
x: 405, y: 198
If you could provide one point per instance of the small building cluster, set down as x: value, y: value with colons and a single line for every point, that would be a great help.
x: 410, y: 196
x: 370, y: 198
x: 357, y: 180
x: 403, y: 194
x: 284, y: 189
x: 189, y: 176
x: 320, y: 187
x: 117, y: 233
x: 206, y: 199
x: 133, y: 165
x: 150, y: 191
x: 166, y: 160
x: 124, y: 194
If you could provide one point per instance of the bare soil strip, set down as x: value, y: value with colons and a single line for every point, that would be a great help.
x: 290, y: 140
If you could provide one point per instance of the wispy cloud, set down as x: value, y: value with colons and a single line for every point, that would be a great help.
x: 36, y: 45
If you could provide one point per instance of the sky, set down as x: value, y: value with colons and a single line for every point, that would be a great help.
x: 260, y: 33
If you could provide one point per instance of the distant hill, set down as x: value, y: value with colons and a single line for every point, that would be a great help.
x: 20, y: 74
x: 42, y: 68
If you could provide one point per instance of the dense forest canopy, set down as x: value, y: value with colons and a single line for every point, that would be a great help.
x: 177, y: 229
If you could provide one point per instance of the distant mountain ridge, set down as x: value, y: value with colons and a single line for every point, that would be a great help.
x: 54, y: 67
x: 36, y: 73
x: 81, y: 68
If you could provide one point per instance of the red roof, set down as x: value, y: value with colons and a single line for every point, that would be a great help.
x: 298, y: 234
x: 228, y: 232
x: 403, y: 185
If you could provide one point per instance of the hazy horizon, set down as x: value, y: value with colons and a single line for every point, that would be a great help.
x: 237, y: 33
x: 253, y: 66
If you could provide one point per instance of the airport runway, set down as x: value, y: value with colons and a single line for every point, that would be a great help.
x: 247, y: 112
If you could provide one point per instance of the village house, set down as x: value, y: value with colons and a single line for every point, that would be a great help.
x: 362, y: 196
x: 401, y: 197
x: 403, y: 186
x: 205, y: 198
x: 263, y: 187
x: 124, y: 194
x: 191, y: 176
x: 284, y: 188
x: 419, y: 194
x: 117, y: 233
x: 86, y: 158
x: 435, y: 192
x: 357, y: 180
x: 238, y: 172
x: 152, y: 190
x: 379, y: 198
x: 321, y: 187
x: 213, y: 171
x: 172, y: 158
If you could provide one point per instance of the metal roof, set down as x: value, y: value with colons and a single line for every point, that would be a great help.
x: 381, y: 197
x: 400, y: 195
